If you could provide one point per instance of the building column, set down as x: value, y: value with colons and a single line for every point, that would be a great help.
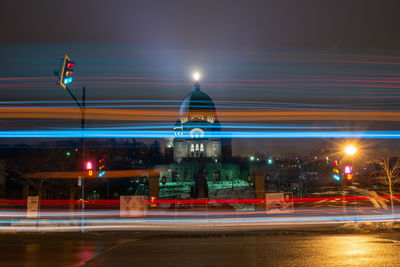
x: 154, y: 189
x: 259, y: 188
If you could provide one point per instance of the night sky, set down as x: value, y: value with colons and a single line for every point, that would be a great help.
x: 286, y: 54
x: 307, y: 24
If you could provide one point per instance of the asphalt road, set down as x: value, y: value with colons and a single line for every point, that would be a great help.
x: 272, y: 248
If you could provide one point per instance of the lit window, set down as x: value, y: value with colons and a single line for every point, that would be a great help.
x: 191, y: 147
x: 201, y: 147
x: 197, y: 147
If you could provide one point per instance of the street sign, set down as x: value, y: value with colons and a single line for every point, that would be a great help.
x: 133, y: 206
x: 32, y: 207
x: 277, y: 203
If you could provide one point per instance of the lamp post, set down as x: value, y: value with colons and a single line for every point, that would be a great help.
x: 350, y: 151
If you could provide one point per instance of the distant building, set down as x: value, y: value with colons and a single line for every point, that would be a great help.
x: 197, y: 154
x: 198, y: 116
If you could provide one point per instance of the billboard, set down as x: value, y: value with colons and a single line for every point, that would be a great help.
x: 133, y: 206
x: 279, y: 203
x: 32, y: 207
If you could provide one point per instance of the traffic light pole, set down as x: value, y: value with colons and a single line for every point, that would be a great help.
x: 82, y: 107
x: 83, y: 113
x: 344, y: 195
x: 64, y: 77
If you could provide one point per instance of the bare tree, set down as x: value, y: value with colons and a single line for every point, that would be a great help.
x: 388, y: 173
x: 43, y: 160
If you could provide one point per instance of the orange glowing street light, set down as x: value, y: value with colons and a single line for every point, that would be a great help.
x: 350, y: 150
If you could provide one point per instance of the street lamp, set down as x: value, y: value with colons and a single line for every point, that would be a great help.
x: 350, y: 150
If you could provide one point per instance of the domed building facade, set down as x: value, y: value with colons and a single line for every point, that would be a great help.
x: 197, y: 117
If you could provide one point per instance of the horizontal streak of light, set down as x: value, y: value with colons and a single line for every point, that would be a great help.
x: 182, y: 224
x: 366, y: 107
x: 336, y: 61
x: 232, y: 102
x: 325, y: 78
x: 224, y: 115
x: 181, y: 211
x: 220, y: 107
x: 170, y: 134
x: 95, y: 202
x: 290, y: 78
x: 214, y: 126
x: 278, y: 85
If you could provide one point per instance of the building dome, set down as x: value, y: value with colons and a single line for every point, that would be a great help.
x: 197, y: 117
x: 197, y: 106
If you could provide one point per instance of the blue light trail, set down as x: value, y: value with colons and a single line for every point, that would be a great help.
x: 170, y: 134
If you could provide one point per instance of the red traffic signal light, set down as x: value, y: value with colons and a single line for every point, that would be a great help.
x: 102, y: 166
x: 70, y: 64
x: 66, y: 71
x: 89, y: 165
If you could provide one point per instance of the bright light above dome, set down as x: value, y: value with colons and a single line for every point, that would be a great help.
x: 196, y: 76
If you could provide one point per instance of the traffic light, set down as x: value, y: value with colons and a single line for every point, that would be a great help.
x: 102, y: 166
x: 335, y: 170
x: 66, y: 71
x: 89, y: 167
x: 336, y: 177
x: 348, y: 171
x: 153, y: 201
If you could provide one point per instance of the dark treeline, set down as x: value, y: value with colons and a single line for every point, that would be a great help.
x: 16, y: 161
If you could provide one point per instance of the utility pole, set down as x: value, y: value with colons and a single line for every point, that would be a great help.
x: 83, y: 114
x: 64, y: 77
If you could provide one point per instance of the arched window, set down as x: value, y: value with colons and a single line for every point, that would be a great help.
x: 202, y: 147
x: 197, y: 147
x: 191, y: 147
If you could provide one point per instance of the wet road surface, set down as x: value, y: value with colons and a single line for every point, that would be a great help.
x: 277, y: 248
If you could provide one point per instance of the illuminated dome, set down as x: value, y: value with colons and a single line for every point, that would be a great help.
x: 198, y: 117
x: 197, y: 106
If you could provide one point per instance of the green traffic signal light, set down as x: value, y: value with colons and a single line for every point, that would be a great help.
x: 66, y: 71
